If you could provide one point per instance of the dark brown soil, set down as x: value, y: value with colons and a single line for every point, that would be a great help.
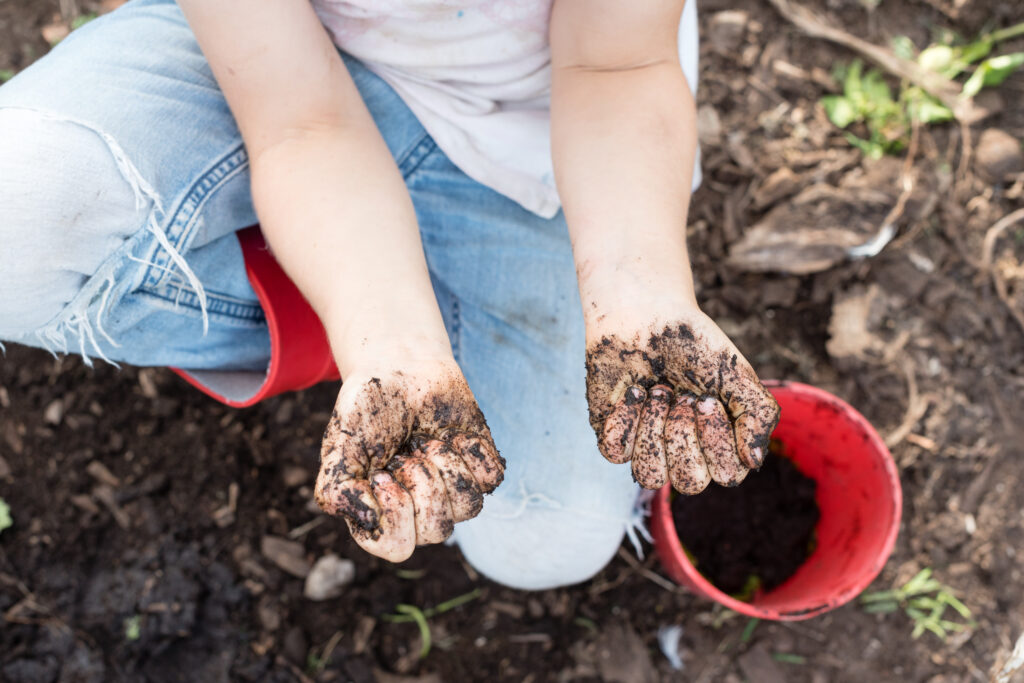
x: 157, y: 552
x: 761, y: 530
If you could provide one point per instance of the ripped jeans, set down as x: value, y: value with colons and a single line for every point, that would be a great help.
x: 122, y: 180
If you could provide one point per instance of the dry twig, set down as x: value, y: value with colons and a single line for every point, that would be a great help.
x: 941, y: 88
x: 987, y: 255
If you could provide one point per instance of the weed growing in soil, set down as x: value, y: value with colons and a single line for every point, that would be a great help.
x: 413, y: 614
x: 133, y: 628
x: 868, y: 100
x: 925, y: 610
x: 6, y: 75
x: 5, y: 515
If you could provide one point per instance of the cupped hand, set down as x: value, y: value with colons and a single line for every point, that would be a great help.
x: 676, y: 399
x: 407, y: 454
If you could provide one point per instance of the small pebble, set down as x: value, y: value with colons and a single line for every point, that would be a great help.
x: 329, y: 577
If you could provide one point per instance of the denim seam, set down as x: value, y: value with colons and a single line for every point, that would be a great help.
x: 216, y: 305
x: 416, y: 156
x: 185, y: 218
x: 456, y: 335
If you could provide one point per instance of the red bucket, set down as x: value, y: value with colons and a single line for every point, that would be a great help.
x: 858, y: 495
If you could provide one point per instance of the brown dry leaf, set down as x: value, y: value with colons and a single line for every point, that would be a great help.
x: 848, y: 331
x: 815, y: 229
x: 855, y: 317
x: 765, y: 249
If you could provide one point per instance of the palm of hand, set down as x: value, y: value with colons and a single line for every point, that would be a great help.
x: 679, y: 401
x: 405, y: 456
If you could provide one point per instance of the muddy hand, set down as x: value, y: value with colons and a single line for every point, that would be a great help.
x: 680, y: 403
x: 405, y: 457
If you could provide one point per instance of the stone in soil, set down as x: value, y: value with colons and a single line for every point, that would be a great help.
x: 998, y: 155
x: 763, y: 528
x: 329, y: 577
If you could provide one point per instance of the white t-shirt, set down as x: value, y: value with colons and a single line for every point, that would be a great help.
x: 477, y: 74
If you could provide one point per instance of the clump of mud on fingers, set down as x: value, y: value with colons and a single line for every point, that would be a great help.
x: 682, y: 358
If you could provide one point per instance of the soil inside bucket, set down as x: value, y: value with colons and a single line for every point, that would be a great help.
x: 752, y: 536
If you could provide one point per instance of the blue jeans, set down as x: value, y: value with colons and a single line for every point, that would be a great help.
x: 122, y: 181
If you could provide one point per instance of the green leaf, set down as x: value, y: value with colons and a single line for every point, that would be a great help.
x: 852, y: 86
x: 133, y: 627
x: 840, y: 110
x: 881, y: 607
x: 748, y: 630
x: 936, y: 58
x: 992, y: 71
x: 929, y: 110
x: 6, y: 75
x: 972, y: 52
x: 870, y: 148
x: 5, y: 515
x: 960, y: 607
x: 788, y: 658
x: 876, y: 90
x: 879, y: 596
x: 421, y: 621
x: 903, y: 47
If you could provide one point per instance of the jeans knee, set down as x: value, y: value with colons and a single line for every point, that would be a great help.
x: 541, y: 548
x: 65, y: 206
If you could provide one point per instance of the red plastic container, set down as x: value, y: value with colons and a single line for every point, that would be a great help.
x: 300, y: 355
x: 858, y: 494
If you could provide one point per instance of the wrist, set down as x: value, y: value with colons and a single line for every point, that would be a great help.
x: 620, y: 292
x: 386, y: 335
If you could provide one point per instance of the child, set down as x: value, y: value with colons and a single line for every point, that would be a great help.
x: 398, y: 158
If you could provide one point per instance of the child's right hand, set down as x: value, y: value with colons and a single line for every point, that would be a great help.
x: 407, y: 454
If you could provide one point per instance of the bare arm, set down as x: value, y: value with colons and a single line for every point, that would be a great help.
x: 666, y: 389
x: 624, y: 141
x: 334, y: 208
x: 330, y: 199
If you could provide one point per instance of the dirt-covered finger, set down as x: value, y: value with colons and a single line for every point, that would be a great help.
x: 717, y: 443
x: 754, y: 427
x: 650, y: 468
x: 395, y: 537
x: 421, y: 479
x: 481, y: 457
x: 464, y: 494
x: 620, y: 427
x: 341, y: 485
x: 687, y: 469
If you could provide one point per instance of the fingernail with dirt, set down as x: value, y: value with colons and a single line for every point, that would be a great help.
x: 634, y: 395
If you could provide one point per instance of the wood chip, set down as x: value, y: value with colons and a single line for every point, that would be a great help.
x: 54, y: 412
x: 85, y: 503
x: 105, y: 494
x: 289, y: 556
x: 98, y: 471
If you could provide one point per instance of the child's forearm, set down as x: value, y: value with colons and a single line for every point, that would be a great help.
x: 336, y: 212
x: 624, y: 143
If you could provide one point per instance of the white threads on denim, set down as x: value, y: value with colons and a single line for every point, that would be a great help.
x: 74, y: 319
x: 637, y: 524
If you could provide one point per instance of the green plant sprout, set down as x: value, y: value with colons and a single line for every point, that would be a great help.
x: 413, y: 614
x: 868, y: 100
x: 925, y: 610
x: 5, y: 515
x: 133, y: 627
x: 6, y: 75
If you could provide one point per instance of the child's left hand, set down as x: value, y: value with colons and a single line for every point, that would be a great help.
x: 673, y: 395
